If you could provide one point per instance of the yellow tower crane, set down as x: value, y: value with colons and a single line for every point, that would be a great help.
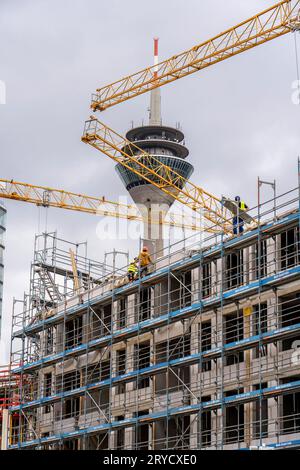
x: 280, y: 19
x: 272, y: 23
x: 50, y: 197
x: 152, y: 170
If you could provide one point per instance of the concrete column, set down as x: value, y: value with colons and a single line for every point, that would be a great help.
x: 5, y: 426
x: 273, y: 416
x: 246, y: 265
x: 196, y: 285
x: 130, y: 314
x: 215, y: 343
x: 217, y: 276
x: 128, y: 441
x: 271, y: 257
x: 194, y: 429
x: 252, y: 263
x: 154, y: 213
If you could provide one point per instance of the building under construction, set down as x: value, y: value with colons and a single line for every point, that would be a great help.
x: 201, y: 352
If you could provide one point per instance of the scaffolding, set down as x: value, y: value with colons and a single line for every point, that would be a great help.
x: 9, y: 387
x: 200, y: 353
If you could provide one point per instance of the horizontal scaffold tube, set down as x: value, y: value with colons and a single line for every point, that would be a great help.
x: 183, y: 410
x: 215, y: 353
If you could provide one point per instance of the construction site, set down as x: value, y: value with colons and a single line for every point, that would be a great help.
x: 198, y: 348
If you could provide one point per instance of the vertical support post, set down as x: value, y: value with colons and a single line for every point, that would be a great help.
x: 111, y: 357
x: 5, y: 425
x: 298, y: 235
x: 275, y: 199
x: 222, y: 339
x: 299, y: 186
x: 258, y: 192
x: 247, y: 312
x: 273, y: 186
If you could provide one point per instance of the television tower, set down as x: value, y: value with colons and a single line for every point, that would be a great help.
x: 167, y: 145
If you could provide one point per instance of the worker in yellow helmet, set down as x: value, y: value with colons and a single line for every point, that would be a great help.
x: 238, y: 222
x: 144, y: 260
x: 132, y: 270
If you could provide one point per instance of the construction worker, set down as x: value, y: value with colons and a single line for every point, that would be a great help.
x: 238, y: 222
x: 144, y: 261
x: 132, y: 270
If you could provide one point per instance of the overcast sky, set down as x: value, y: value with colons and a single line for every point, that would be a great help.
x: 238, y: 116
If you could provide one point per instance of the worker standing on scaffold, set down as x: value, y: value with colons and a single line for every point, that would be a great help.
x: 238, y: 222
x: 144, y: 261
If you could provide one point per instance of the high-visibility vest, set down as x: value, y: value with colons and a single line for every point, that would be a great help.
x: 132, y: 268
x: 243, y: 205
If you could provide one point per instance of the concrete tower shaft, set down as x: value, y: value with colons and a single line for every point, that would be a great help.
x: 167, y: 145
